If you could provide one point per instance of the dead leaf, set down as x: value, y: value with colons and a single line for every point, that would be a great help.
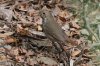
x: 29, y: 53
x: 20, y: 58
x: 10, y: 39
x: 36, y: 32
x: 23, y: 6
x: 6, y: 34
x: 32, y: 13
x: 39, y: 28
x: 22, y: 50
x: 2, y: 58
x: 14, y: 51
x: 38, y: 20
x: 65, y: 27
x: 32, y: 61
x: 75, y: 52
x: 6, y: 14
x: 2, y: 49
x: 73, y: 24
x: 64, y: 14
x: 1, y: 41
x: 47, y: 60
x: 21, y: 30
x: 62, y: 19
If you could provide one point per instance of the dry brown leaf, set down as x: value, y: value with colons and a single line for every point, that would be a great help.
x: 29, y: 53
x: 3, y: 28
x: 47, y: 60
x: 36, y: 32
x: 74, y: 31
x: 2, y: 49
x: 32, y: 61
x: 21, y: 30
x: 84, y: 65
x: 20, y: 58
x: 10, y: 39
x: 78, y: 41
x: 62, y: 19
x: 2, y: 58
x: 6, y: 34
x: 23, y: 6
x: 64, y: 14
x: 75, y: 52
x: 14, y: 51
x: 22, y: 50
x: 38, y: 20
x: 75, y: 25
x: 32, y: 12
x: 39, y: 28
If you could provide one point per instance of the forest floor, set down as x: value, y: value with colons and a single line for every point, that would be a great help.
x: 23, y: 42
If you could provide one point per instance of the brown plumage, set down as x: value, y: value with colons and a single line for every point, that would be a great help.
x: 52, y: 29
x: 55, y: 33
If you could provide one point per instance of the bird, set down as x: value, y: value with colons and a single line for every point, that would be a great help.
x: 53, y: 30
x: 55, y: 33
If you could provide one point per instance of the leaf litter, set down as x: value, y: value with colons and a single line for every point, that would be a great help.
x: 23, y: 42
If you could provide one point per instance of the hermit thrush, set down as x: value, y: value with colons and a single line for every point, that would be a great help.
x: 52, y: 29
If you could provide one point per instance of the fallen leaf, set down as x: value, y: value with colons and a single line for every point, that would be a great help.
x: 23, y: 6
x: 6, y: 34
x: 32, y: 61
x: 62, y: 19
x: 22, y: 50
x: 75, y: 52
x: 20, y: 58
x: 47, y: 60
x: 14, y: 51
x: 32, y: 12
x: 29, y: 53
x: 10, y: 39
x: 2, y: 49
x: 64, y: 14
x: 21, y: 30
x: 65, y: 27
x: 39, y: 28
x: 38, y: 20
x: 1, y: 41
x: 36, y: 32
x: 6, y: 14
x: 73, y: 24
x: 2, y: 58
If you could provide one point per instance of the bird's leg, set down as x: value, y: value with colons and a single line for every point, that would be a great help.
x: 64, y: 55
x: 57, y: 46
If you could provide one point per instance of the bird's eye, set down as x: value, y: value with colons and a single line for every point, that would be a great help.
x: 43, y: 13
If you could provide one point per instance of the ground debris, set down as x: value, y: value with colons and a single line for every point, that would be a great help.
x: 24, y: 43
